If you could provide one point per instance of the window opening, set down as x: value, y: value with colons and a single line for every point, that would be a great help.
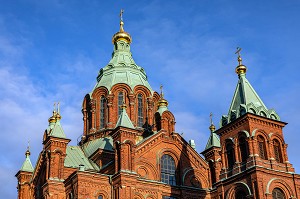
x: 140, y: 110
x: 102, y: 112
x: 262, y: 147
x: 168, y: 170
x: 120, y: 102
x: 277, y: 151
x: 277, y: 194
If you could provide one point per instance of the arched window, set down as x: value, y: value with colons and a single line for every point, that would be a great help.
x: 261, y: 147
x: 243, y: 148
x: 102, y: 112
x: 277, y: 194
x: 168, y: 170
x: 212, y: 171
x: 140, y: 111
x: 240, y: 194
x: 230, y: 154
x: 120, y: 102
x: 277, y: 151
x: 100, y: 197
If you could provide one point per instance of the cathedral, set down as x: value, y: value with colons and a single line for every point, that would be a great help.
x: 130, y: 149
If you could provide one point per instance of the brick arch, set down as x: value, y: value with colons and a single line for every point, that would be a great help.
x: 102, y: 193
x: 193, y: 172
x: 121, y: 86
x: 175, y: 156
x: 142, y: 89
x: 277, y: 137
x: 156, y: 97
x: 257, y: 132
x: 169, y: 125
x: 98, y: 92
x: 236, y: 187
x: 246, y: 133
x: 281, y: 184
x: 152, y: 170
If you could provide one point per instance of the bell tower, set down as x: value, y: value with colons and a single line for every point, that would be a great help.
x: 252, y: 147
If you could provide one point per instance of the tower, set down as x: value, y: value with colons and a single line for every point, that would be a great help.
x: 253, y: 151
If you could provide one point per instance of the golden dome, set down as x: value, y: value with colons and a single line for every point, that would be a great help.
x: 121, y: 35
x: 52, y: 119
x: 27, y: 153
x: 212, y: 128
x: 58, y: 116
x: 240, y: 69
x: 162, y: 102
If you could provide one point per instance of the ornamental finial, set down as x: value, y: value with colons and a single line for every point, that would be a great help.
x: 121, y: 21
x: 212, y: 127
x: 240, y: 69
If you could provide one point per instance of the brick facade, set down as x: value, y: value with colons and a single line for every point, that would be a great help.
x: 112, y: 162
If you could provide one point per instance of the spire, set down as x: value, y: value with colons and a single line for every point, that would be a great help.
x: 162, y: 103
x: 213, y: 140
x: 124, y: 120
x: 245, y: 99
x: 55, y: 129
x: 27, y: 166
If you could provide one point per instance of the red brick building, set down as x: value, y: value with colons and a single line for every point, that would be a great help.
x: 130, y: 149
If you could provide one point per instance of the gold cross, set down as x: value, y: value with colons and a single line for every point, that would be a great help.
x: 238, y: 51
x: 121, y: 14
x: 210, y: 116
x: 161, y: 91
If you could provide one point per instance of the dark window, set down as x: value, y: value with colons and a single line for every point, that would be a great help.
x: 140, y: 110
x: 102, y: 112
x: 277, y: 194
x: 168, y: 170
x: 230, y: 155
x: 240, y: 194
x: 277, y: 151
x: 100, y: 197
x: 212, y: 172
x: 262, y: 147
x: 243, y: 148
x: 120, y: 102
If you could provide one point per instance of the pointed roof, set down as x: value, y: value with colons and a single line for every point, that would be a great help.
x: 122, y: 68
x: 213, y: 141
x: 245, y: 99
x: 124, y: 120
x: 27, y: 166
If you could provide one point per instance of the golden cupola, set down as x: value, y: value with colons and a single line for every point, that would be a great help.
x: 121, y: 35
x: 240, y: 69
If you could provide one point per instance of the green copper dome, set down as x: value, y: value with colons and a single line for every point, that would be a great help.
x: 122, y: 68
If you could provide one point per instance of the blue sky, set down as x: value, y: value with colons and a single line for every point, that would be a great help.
x: 52, y: 50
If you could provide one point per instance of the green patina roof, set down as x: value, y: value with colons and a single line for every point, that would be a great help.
x: 55, y: 129
x: 75, y: 157
x: 213, y: 141
x: 162, y: 109
x: 27, y: 166
x: 90, y: 147
x: 122, y: 69
x: 124, y: 120
x: 246, y: 100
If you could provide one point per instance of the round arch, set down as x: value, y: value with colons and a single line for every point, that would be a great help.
x: 281, y: 184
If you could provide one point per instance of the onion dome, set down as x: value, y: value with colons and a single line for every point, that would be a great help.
x: 240, y: 69
x: 121, y: 35
x: 162, y: 103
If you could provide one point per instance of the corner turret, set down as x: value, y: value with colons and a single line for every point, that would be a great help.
x: 245, y: 99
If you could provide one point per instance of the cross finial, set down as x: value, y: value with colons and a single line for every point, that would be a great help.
x: 161, y: 91
x: 121, y: 14
x: 238, y: 51
x: 57, y: 108
x: 211, y: 116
